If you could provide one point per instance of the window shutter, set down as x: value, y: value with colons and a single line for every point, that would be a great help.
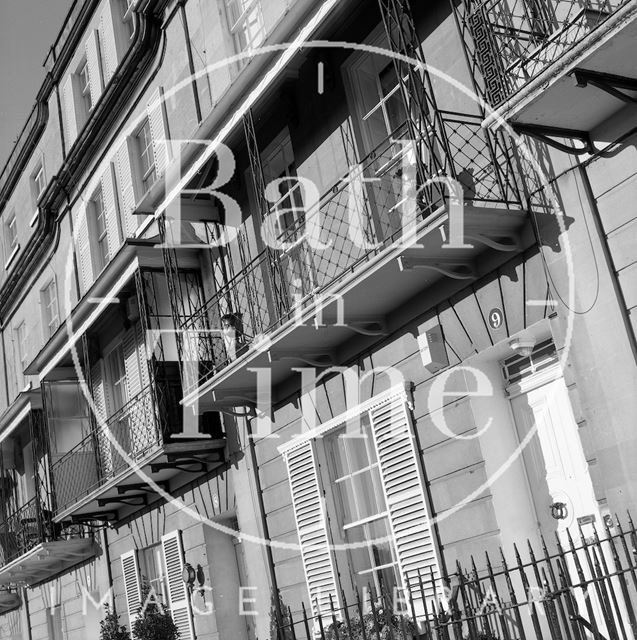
x: 109, y: 43
x: 110, y: 206
x: 70, y: 112
x: 99, y: 397
x: 83, y: 244
x: 159, y: 130
x: 131, y: 363
x: 406, y: 500
x: 143, y: 359
x: 311, y: 525
x: 132, y: 587
x: 93, y: 61
x: 178, y: 597
x: 127, y: 190
x: 101, y: 406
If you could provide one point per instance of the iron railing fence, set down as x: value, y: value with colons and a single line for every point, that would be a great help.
x: 362, y: 214
x: 582, y: 586
x: 95, y: 460
x: 515, y: 39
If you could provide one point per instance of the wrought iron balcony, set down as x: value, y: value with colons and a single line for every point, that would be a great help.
x: 126, y: 437
x: 97, y: 477
x: 562, y: 47
x: 276, y: 286
x: 24, y: 529
x: 32, y: 546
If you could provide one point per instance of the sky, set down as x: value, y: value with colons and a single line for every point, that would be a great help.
x: 27, y: 31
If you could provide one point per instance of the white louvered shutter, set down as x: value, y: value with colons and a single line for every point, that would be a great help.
x: 131, y: 363
x: 93, y: 61
x: 70, y: 112
x: 100, y: 400
x: 132, y: 585
x: 99, y: 397
x: 311, y: 524
x: 178, y: 596
x: 406, y: 500
x: 159, y: 130
x: 109, y: 194
x: 83, y: 244
x: 127, y: 190
x: 141, y: 351
x: 108, y: 41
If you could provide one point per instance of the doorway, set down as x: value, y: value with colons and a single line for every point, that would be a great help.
x: 559, y: 480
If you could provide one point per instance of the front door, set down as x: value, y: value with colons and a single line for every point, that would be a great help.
x: 557, y: 470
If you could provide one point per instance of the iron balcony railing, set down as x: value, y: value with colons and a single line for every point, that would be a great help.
x: 24, y: 529
x: 96, y: 459
x: 269, y: 289
x: 571, y: 589
x: 514, y: 40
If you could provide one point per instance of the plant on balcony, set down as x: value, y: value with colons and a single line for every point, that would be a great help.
x: 386, y: 625
x: 153, y: 622
x: 110, y: 628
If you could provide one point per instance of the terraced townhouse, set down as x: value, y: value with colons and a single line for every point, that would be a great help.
x: 308, y: 302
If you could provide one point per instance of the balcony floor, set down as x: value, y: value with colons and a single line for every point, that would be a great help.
x: 552, y: 98
x: 46, y: 560
x: 170, y: 466
x: 371, y: 291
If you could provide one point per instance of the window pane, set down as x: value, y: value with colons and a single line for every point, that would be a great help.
x: 338, y: 455
x: 369, y: 500
x: 379, y: 534
x: 345, y: 492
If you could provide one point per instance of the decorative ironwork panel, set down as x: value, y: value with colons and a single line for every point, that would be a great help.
x: 307, y: 272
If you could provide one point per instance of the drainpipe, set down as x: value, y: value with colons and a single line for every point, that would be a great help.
x: 599, y: 227
x: 264, y: 525
x: 25, y: 599
x: 107, y: 559
x: 4, y: 365
x: 191, y: 62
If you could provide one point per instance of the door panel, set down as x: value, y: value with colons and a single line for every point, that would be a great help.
x: 554, y: 459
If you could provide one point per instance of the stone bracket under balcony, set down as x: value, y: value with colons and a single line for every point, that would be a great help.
x: 47, y: 560
x: 363, y: 306
x: 583, y: 83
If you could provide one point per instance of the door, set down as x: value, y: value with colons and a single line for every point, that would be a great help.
x: 554, y: 460
x: 557, y: 471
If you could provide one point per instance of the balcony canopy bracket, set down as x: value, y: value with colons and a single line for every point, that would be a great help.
x: 611, y: 84
x: 238, y: 403
x: 547, y: 135
x: 192, y: 460
x: 140, y: 500
x: 98, y: 516
x: 454, y: 270
x: 140, y: 486
x: 193, y: 465
x: 313, y: 358
x: 498, y: 242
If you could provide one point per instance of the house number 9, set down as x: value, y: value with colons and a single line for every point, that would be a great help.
x: 495, y: 318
